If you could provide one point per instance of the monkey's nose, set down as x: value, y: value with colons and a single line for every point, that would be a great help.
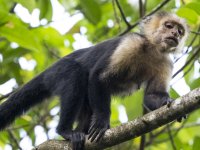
x: 175, y: 33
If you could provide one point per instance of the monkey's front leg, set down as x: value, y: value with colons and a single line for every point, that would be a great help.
x: 99, y: 98
x: 156, y: 100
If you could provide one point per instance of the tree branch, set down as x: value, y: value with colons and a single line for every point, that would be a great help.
x: 122, y: 14
x: 159, y: 6
x: 196, y: 54
x: 194, y: 32
x: 137, y: 127
x: 141, y: 8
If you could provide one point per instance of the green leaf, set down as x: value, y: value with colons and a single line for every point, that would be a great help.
x: 4, y: 17
x: 4, y: 78
x: 196, y: 144
x: 29, y: 4
x: 134, y: 104
x: 189, y: 77
x: 194, y: 6
x: 174, y: 94
x: 45, y: 9
x: 50, y: 36
x: 6, y: 5
x: 91, y: 10
x: 15, y: 53
x: 188, y: 14
x: 195, y: 83
x: 15, y: 31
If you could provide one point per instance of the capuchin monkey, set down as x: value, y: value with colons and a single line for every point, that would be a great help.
x: 86, y: 79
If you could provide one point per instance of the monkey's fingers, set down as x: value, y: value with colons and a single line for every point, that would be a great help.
x: 97, y: 130
x: 91, y: 128
x: 95, y: 135
x: 169, y: 101
x: 91, y: 133
x: 100, y: 135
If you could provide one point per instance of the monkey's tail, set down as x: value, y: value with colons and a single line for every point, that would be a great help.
x: 29, y: 95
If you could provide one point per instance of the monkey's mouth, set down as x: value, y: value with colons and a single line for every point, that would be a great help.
x: 172, y: 41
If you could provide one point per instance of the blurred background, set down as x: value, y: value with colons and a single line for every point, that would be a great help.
x: 36, y: 33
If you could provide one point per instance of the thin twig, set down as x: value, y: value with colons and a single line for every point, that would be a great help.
x: 116, y: 16
x: 183, y: 2
x: 188, y: 62
x: 145, y: 6
x: 14, y: 139
x: 142, y: 142
x: 143, y: 137
x: 51, y: 51
x: 141, y: 8
x: 194, y: 32
x: 17, y: 127
x: 191, y: 43
x: 122, y: 14
x: 185, y: 73
x: 171, y: 137
x: 174, y: 135
x: 158, y: 7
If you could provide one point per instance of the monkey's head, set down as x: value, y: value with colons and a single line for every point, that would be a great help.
x: 165, y: 30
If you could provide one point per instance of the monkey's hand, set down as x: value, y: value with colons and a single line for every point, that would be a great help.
x: 77, y: 139
x: 97, y: 129
x: 156, y: 100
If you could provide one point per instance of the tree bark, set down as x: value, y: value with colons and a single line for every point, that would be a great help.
x: 137, y: 127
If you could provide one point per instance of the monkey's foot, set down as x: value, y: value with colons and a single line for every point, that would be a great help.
x: 156, y: 100
x: 97, y: 130
x: 77, y: 139
x: 167, y: 101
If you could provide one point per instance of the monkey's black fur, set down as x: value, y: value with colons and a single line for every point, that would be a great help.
x: 86, y: 79
x: 68, y: 78
x: 81, y: 100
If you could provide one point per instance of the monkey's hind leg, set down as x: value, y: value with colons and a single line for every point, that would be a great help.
x: 69, y: 108
x: 72, y: 94
x: 84, y: 118
x: 99, y: 98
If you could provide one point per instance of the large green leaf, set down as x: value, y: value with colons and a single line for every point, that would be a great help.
x: 194, y: 6
x: 49, y: 35
x: 91, y: 10
x: 45, y: 9
x: 134, y: 104
x: 195, y: 84
x: 6, y: 5
x: 196, y: 144
x: 189, y: 14
x: 174, y: 94
x: 15, y: 31
x: 4, y: 17
x: 189, y: 73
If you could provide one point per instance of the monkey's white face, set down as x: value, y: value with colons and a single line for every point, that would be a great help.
x: 168, y: 36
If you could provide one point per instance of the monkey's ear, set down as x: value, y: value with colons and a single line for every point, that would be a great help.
x: 146, y: 20
x: 159, y: 14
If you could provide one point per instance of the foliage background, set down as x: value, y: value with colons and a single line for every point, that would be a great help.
x: 41, y: 45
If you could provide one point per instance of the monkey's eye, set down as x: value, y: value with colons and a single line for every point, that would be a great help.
x: 169, y: 25
x: 181, y: 31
